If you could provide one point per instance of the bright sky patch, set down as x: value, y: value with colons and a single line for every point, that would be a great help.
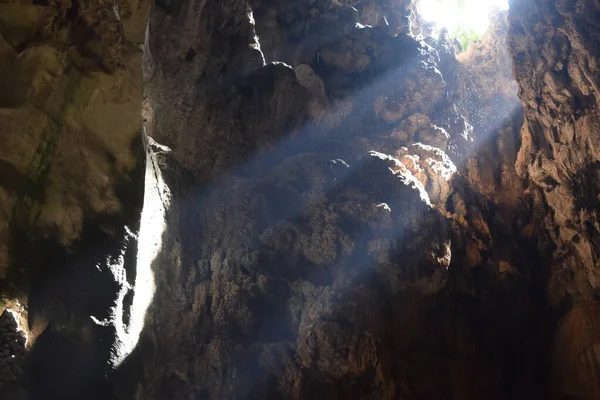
x: 460, y: 15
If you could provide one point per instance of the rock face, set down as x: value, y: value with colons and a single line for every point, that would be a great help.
x: 70, y: 98
x: 12, y: 348
x: 318, y: 241
x: 70, y: 166
x: 334, y: 204
x: 555, y: 53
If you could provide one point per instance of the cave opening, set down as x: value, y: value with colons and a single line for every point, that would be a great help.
x: 466, y: 20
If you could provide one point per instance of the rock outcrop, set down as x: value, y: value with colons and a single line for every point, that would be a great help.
x: 71, y: 160
x: 12, y: 348
x: 555, y: 52
x: 319, y: 241
x: 323, y: 201
x: 70, y: 98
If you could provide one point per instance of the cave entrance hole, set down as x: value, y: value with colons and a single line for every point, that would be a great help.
x: 466, y: 20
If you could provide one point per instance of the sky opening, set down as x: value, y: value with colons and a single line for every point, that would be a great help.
x: 460, y: 15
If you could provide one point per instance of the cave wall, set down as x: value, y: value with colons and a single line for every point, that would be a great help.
x: 319, y: 243
x: 71, y: 160
x: 71, y: 91
x: 317, y: 202
x: 554, y: 46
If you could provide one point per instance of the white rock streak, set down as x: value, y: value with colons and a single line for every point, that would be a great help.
x: 152, y: 226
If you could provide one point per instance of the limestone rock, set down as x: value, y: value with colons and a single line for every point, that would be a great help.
x: 71, y: 91
x: 334, y: 204
x: 554, y: 50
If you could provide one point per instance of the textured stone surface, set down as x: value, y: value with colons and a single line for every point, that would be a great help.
x: 555, y: 51
x: 12, y: 348
x: 71, y: 87
x: 332, y: 207
x: 295, y: 32
x: 281, y: 304
x: 70, y: 162
x: 338, y: 258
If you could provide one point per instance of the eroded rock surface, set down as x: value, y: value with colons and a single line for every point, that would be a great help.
x: 70, y: 98
x: 70, y: 165
x: 335, y: 255
x: 12, y: 348
x: 333, y: 207
x: 555, y: 52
